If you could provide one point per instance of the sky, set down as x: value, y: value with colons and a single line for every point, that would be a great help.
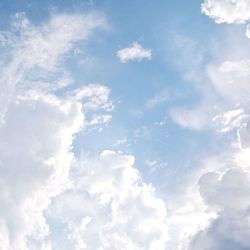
x: 124, y: 125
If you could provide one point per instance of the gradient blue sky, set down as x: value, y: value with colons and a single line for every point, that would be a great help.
x: 182, y: 114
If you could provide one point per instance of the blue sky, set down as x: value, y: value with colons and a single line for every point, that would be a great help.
x: 124, y: 125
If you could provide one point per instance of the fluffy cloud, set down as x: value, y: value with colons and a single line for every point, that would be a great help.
x: 221, y: 219
x: 35, y: 159
x: 50, y: 199
x: 223, y: 185
x: 227, y: 11
x: 37, y: 126
x: 228, y: 193
x: 110, y: 207
x: 135, y: 52
x: 36, y: 142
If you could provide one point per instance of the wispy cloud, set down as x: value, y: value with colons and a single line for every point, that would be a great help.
x: 41, y: 48
x: 158, y: 99
x: 110, y: 206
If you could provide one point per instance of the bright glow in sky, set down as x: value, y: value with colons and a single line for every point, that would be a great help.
x: 124, y: 125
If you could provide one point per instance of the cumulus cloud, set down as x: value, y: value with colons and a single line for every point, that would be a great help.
x: 110, y: 207
x: 50, y: 199
x: 35, y: 159
x: 227, y: 193
x: 227, y: 11
x: 37, y: 126
x: 212, y: 212
x: 134, y: 53
x: 223, y: 185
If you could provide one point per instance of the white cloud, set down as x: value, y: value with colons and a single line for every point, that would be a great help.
x: 223, y: 184
x: 227, y: 11
x: 135, y: 52
x: 37, y: 126
x: 50, y: 199
x: 228, y: 193
x: 110, y: 207
x: 223, y: 86
x: 35, y: 159
x: 232, y: 119
x: 41, y: 47
x: 212, y: 209
x: 225, y: 191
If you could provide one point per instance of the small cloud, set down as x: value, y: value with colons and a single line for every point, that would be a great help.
x: 135, y: 52
x: 194, y: 119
